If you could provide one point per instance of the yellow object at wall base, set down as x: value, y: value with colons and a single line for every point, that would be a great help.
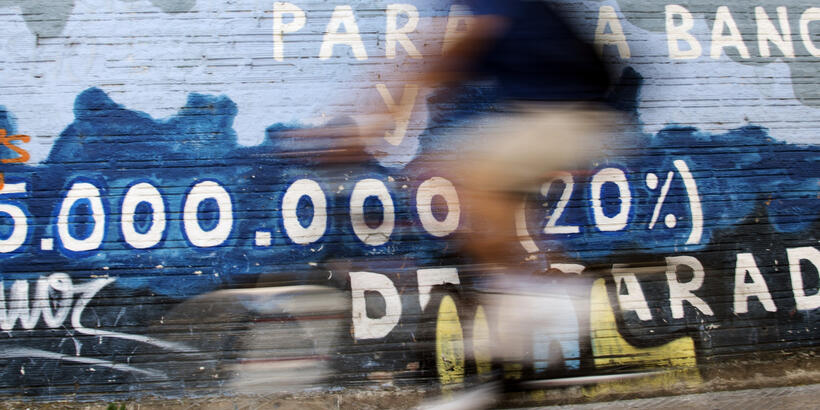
x: 610, y: 350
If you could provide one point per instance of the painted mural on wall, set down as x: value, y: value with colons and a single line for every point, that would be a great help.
x: 146, y: 165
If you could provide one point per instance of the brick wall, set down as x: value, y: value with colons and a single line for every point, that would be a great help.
x: 148, y: 205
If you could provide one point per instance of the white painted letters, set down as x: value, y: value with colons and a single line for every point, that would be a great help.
x: 795, y: 255
x: 618, y: 221
x: 427, y: 278
x: 297, y: 15
x: 634, y: 298
x: 679, y: 292
x: 680, y: 32
x: 373, y: 328
x: 400, y: 112
x: 810, y: 15
x: 190, y: 218
x: 552, y: 227
x: 766, y: 32
x: 296, y: 232
x: 607, y: 18
x: 395, y: 34
x: 361, y: 191
x: 724, y: 20
x: 428, y: 190
x: 342, y: 16
x: 56, y: 289
x: 143, y: 192
x: 20, y: 230
x: 82, y: 191
x: 743, y: 291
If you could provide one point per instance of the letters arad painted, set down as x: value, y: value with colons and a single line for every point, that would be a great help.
x: 143, y: 169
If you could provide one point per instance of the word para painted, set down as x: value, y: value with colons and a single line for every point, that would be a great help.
x: 343, y: 30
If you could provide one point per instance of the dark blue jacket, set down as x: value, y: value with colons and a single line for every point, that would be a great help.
x: 539, y: 56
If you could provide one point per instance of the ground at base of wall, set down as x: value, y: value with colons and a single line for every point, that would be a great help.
x: 392, y: 398
x: 759, y: 370
x: 746, y: 372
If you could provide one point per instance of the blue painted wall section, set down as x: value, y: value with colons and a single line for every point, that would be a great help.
x: 124, y: 220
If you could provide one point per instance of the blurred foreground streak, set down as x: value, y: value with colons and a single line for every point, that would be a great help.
x: 289, y: 339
